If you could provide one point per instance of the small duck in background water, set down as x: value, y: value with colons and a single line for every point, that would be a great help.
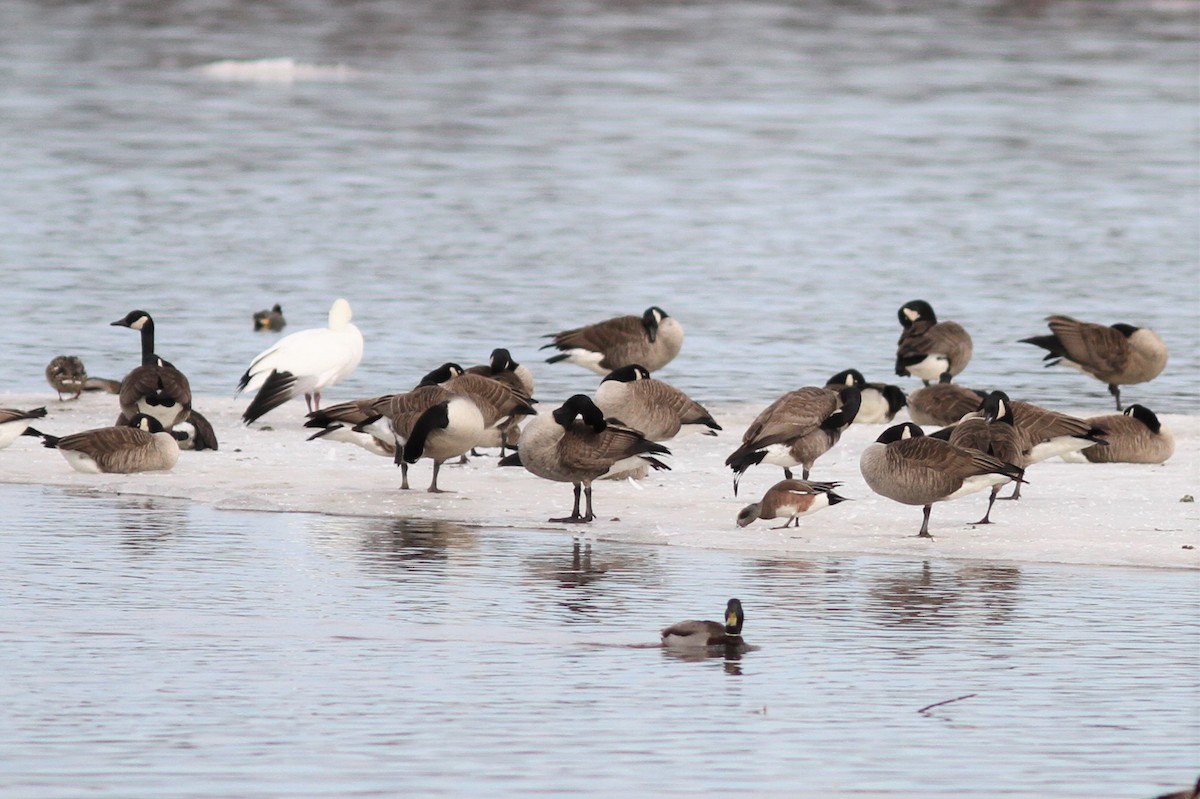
x: 270, y: 320
x: 66, y: 375
x: 703, y: 634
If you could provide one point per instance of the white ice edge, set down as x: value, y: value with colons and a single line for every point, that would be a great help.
x: 1078, y: 513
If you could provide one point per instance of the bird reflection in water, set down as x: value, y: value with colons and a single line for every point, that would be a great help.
x: 730, y: 656
x: 578, y: 575
x: 947, y: 595
x: 147, y: 523
x: 402, y: 544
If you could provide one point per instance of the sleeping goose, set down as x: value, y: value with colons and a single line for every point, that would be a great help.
x: 557, y: 447
x: 943, y: 402
x: 1119, y: 355
x: 651, y: 340
x: 928, y: 348
x: 790, y: 499
x: 795, y: 430
x: 155, y: 388
x: 703, y: 634
x: 657, y: 409
x: 880, y: 402
x: 142, y: 446
x: 1135, y: 436
x: 15, y: 423
x: 303, y: 363
x: 910, y: 467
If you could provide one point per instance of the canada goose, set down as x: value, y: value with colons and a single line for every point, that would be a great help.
x: 696, y: 634
x: 143, y: 446
x: 795, y: 429
x: 400, y: 414
x: 644, y: 403
x: 66, y: 375
x: 557, y: 447
x: 652, y: 340
x: 791, y: 499
x: 303, y: 363
x: 443, y: 431
x: 15, y: 423
x: 1119, y: 355
x: 156, y: 387
x: 270, y: 320
x: 928, y: 348
x: 880, y: 402
x: 910, y: 467
x: 943, y: 403
x: 352, y: 422
x: 195, y: 432
x: 993, y: 433
x: 500, y: 402
x: 1046, y: 433
x: 1135, y: 436
x: 503, y: 368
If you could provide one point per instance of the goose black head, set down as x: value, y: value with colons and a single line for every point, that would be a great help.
x: 441, y: 374
x: 851, y: 403
x: 146, y: 422
x: 582, y: 406
x: 651, y: 320
x: 502, y: 361
x: 997, y: 407
x: 916, y: 310
x: 848, y: 377
x: 899, y: 432
x: 628, y: 374
x: 1124, y: 329
x: 1145, y: 416
x: 896, y: 398
x: 135, y: 320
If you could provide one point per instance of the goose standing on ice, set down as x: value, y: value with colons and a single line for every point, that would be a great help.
x: 652, y: 340
x: 156, y: 388
x: 445, y: 430
x: 142, y: 446
x: 657, y: 409
x: 993, y: 432
x: 795, y: 430
x: 1119, y: 355
x: 928, y: 348
x: 910, y: 467
x: 303, y: 363
x: 557, y: 447
x: 15, y: 423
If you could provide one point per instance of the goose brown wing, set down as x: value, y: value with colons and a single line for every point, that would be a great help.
x: 1037, y: 424
x: 404, y: 409
x: 496, y: 400
x: 686, y: 409
x: 102, y: 442
x: 997, y: 439
x: 790, y: 416
x: 602, y: 336
x: 1099, y: 348
x: 145, y: 380
x: 584, y: 450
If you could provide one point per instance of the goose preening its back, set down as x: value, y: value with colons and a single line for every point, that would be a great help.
x: 1135, y: 436
x: 1045, y: 434
x: 15, y: 423
x: 928, y: 348
x: 795, y: 430
x: 270, y: 320
x: 694, y: 634
x: 156, y: 388
x: 141, y: 446
x: 575, y: 444
x: 1118, y: 355
x: 631, y: 396
x: 992, y: 432
x: 791, y: 499
x: 652, y: 340
x: 907, y: 466
x: 943, y: 402
x: 306, y: 362
x: 446, y: 429
x: 880, y: 402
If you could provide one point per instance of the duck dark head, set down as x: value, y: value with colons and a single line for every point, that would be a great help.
x: 1145, y: 416
x: 916, y: 310
x: 899, y: 432
x: 628, y: 374
x: 734, y: 617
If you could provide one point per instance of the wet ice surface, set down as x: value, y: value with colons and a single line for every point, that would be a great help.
x: 156, y: 647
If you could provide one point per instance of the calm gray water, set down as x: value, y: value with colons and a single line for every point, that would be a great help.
x: 151, y: 648
x: 779, y: 176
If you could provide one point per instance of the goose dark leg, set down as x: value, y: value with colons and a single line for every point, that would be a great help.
x: 925, y: 524
x: 991, y: 502
x: 317, y: 401
x: 308, y: 402
x: 574, y: 517
x: 804, y: 473
x: 1115, y: 390
x: 787, y: 473
x: 433, y: 489
x: 404, y: 475
x: 1016, y: 494
x: 588, y: 493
